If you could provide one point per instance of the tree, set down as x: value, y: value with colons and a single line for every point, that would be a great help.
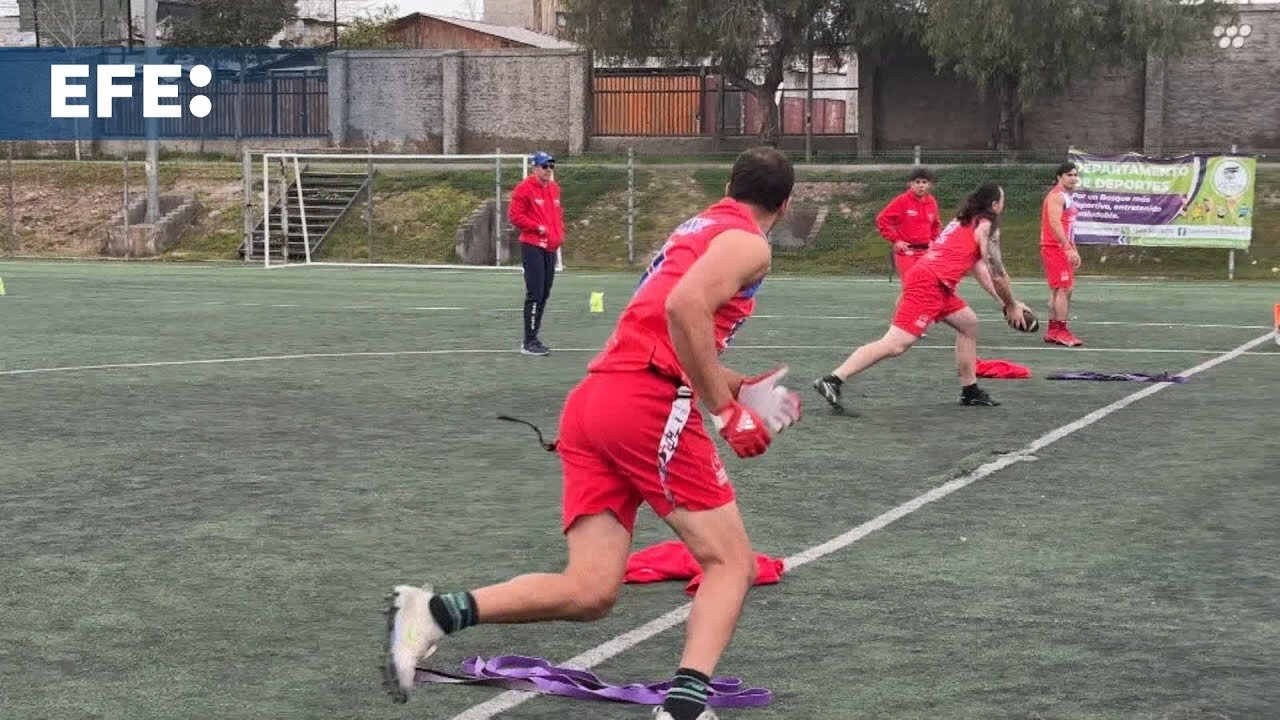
x: 70, y: 23
x: 470, y: 10
x: 372, y: 29
x: 229, y: 23
x: 1024, y: 49
x: 751, y: 42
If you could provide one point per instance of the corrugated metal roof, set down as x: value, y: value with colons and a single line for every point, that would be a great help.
x: 515, y: 34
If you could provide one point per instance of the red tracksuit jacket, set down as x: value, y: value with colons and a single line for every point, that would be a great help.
x: 910, y: 219
x: 534, y: 204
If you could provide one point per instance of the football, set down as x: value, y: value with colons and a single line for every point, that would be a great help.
x: 1030, y: 322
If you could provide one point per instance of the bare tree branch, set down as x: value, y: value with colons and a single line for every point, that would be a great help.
x: 69, y: 23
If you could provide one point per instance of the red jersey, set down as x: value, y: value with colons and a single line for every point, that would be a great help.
x: 641, y: 339
x: 1069, y: 211
x: 911, y: 219
x: 952, y: 255
x: 534, y: 204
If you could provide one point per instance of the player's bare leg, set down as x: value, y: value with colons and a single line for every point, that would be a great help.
x: 1059, y: 305
x: 718, y: 541
x: 586, y: 590
x: 965, y: 323
x: 1059, y: 313
x: 895, y: 342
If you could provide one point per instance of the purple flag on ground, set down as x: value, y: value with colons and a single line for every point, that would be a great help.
x: 1120, y: 377
x: 516, y: 672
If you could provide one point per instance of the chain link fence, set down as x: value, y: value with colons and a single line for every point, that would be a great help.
x: 618, y: 209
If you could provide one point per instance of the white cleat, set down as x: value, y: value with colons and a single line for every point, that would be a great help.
x: 412, y: 634
x: 660, y: 714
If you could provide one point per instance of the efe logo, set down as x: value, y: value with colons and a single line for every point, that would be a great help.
x: 153, y: 91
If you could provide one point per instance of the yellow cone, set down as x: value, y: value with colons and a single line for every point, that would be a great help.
x: 1, y: 286
x: 597, y: 302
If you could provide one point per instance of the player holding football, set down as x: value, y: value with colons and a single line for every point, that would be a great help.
x: 1058, y: 253
x: 631, y: 432
x: 969, y: 244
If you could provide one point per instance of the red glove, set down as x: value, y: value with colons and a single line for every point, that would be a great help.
x: 742, y: 428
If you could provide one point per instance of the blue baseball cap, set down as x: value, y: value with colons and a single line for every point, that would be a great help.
x: 541, y: 159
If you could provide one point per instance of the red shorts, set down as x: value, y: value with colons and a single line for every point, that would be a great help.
x: 1057, y: 268
x: 905, y: 262
x: 633, y: 437
x: 924, y: 301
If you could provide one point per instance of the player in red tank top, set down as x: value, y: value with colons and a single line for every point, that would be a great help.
x: 641, y: 338
x: 969, y: 244
x: 1058, y: 253
x: 631, y: 433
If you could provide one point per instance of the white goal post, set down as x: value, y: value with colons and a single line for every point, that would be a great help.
x: 287, y: 169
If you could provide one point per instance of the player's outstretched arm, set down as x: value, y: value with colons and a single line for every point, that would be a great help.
x: 992, y: 275
x: 733, y: 260
x: 990, y: 265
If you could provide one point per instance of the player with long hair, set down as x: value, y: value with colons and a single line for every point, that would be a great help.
x: 969, y: 244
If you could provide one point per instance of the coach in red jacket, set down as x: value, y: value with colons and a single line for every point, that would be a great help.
x: 535, y: 210
x: 910, y: 221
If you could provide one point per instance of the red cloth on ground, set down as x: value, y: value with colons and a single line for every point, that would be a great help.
x: 1002, y: 369
x: 671, y: 560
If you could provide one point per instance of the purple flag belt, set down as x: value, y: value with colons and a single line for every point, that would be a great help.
x: 1129, y: 377
x: 516, y: 672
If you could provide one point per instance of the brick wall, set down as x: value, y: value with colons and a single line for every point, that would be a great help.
x: 1213, y: 97
x: 521, y: 99
x: 1101, y: 114
x: 392, y: 99
x: 468, y: 101
x: 1207, y: 99
x: 909, y: 104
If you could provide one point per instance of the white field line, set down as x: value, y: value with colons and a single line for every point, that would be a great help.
x: 456, y: 308
x: 492, y: 351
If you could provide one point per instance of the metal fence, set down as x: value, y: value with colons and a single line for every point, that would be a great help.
x: 697, y: 104
x: 282, y: 104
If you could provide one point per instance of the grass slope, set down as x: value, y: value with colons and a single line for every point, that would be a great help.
x: 62, y: 208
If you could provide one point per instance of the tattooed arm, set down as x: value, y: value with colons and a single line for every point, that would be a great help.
x: 990, y: 271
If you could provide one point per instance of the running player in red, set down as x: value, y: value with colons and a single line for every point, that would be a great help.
x: 631, y: 432
x: 969, y: 244
x: 1058, y: 253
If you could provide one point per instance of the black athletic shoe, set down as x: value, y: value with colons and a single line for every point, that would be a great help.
x: 534, y: 347
x: 977, y: 396
x: 829, y: 388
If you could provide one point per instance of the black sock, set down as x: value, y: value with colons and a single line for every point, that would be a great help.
x: 969, y: 390
x: 835, y: 380
x: 687, y: 697
x: 454, y: 611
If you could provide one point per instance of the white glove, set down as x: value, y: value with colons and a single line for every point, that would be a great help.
x: 778, y: 406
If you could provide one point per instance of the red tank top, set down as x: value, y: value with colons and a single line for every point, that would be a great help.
x: 1069, y: 211
x: 641, y: 340
x: 953, y: 254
